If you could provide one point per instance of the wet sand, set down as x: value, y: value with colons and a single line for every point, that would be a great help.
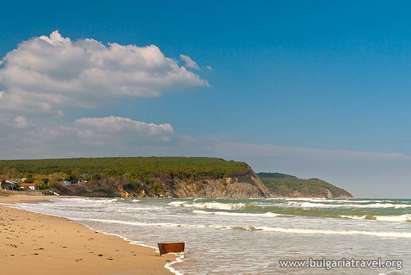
x: 38, y: 244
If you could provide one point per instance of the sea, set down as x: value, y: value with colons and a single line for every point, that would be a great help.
x: 256, y: 236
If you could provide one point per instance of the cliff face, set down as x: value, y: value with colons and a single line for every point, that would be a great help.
x: 282, y: 185
x: 162, y: 177
x: 140, y: 176
x: 247, y: 185
x: 241, y: 186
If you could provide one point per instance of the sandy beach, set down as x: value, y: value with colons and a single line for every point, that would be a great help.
x: 34, y: 244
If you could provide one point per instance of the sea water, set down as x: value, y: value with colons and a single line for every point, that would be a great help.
x: 251, y: 236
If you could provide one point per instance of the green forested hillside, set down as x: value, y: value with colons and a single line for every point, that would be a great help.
x: 133, y: 167
x: 135, y: 176
x: 291, y: 186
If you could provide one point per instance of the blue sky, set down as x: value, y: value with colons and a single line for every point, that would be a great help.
x: 322, y: 76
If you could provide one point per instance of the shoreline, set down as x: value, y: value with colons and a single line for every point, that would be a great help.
x: 168, y: 264
x: 49, y: 244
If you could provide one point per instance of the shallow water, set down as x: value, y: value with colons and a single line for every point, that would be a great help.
x: 251, y: 236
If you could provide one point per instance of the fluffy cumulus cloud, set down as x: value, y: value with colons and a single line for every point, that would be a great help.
x: 52, y: 73
x: 84, y: 137
x: 47, y: 81
x: 109, y: 128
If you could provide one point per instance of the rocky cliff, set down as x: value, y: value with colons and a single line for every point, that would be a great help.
x: 247, y: 185
x: 138, y: 176
x: 239, y: 187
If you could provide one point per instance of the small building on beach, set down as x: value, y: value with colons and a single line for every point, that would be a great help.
x: 8, y: 185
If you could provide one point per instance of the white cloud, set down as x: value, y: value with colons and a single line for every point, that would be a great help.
x: 188, y: 62
x: 47, y: 81
x: 85, y: 136
x: 53, y: 73
x: 103, y: 129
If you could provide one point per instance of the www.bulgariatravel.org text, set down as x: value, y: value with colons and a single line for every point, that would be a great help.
x: 342, y: 263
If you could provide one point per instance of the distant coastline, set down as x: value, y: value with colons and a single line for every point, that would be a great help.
x: 283, y: 185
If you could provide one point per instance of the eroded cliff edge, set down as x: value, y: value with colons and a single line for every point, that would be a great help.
x: 140, y: 177
x: 243, y: 186
x: 177, y: 177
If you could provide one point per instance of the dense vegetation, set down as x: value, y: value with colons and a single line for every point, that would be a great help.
x: 286, y: 185
x: 127, y: 176
x: 132, y: 167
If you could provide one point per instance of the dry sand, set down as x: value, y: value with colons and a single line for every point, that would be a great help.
x: 38, y: 244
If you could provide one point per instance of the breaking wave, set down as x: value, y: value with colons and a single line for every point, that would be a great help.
x: 218, y: 213
x: 387, y: 218
x: 306, y: 204
x: 306, y: 231
x: 208, y: 205
x: 378, y: 210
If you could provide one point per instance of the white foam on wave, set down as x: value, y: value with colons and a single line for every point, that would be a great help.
x: 208, y: 205
x: 203, y: 212
x: 267, y: 214
x: 88, y: 200
x: 398, y: 218
x: 217, y: 205
x: 176, y: 203
x: 386, y: 218
x: 405, y: 235
x: 142, y: 223
x: 163, y: 224
x: 301, y: 199
x: 139, y: 209
x: 333, y: 200
x: 289, y: 202
x: 179, y: 259
x: 353, y: 217
x: 333, y: 205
